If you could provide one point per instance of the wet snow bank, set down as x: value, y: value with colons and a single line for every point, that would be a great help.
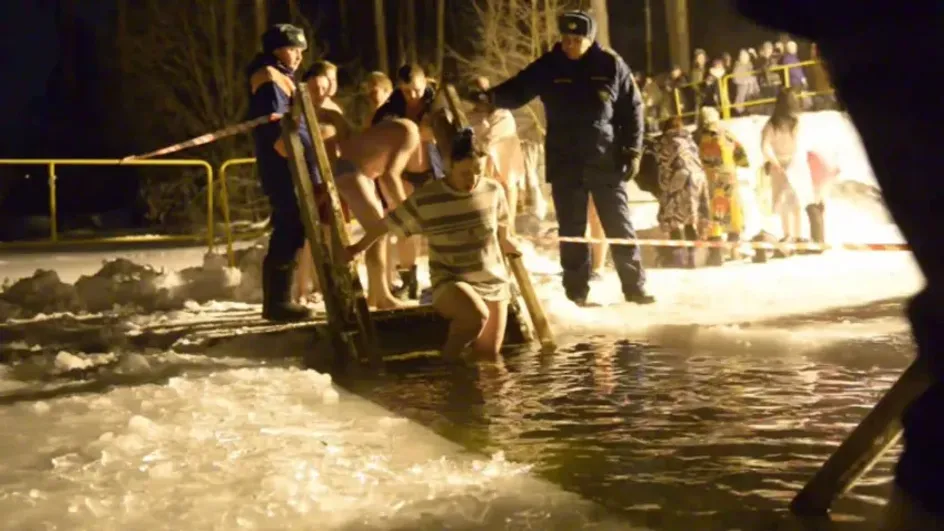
x: 121, y: 284
x: 797, y: 304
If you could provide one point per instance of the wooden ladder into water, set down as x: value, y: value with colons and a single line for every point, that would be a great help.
x: 352, y: 331
x: 877, y: 432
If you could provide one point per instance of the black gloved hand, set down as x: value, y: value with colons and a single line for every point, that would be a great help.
x: 633, y: 160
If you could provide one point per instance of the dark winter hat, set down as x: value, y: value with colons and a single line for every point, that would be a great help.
x: 577, y: 23
x: 281, y: 35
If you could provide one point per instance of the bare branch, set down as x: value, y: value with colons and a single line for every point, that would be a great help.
x: 183, y: 63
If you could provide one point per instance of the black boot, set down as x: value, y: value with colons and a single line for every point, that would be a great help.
x: 715, y: 254
x: 410, y: 283
x: 762, y: 255
x: 640, y: 296
x: 277, y: 302
x: 690, y: 258
x: 817, y: 224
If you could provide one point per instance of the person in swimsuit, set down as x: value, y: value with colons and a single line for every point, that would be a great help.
x: 413, y: 100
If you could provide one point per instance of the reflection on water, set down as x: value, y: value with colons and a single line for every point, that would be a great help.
x: 674, y: 439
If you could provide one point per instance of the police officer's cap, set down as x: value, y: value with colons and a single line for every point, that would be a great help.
x: 577, y: 23
x: 282, y: 35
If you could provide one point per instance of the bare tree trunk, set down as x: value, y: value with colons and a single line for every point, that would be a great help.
x: 550, y: 21
x: 602, y: 16
x: 342, y: 11
x: 410, y: 7
x: 380, y: 26
x: 440, y: 36
x: 535, y: 33
x: 67, y: 25
x: 648, y: 16
x: 293, y: 10
x: 401, y: 44
x: 122, y: 26
x: 676, y: 14
x: 262, y: 17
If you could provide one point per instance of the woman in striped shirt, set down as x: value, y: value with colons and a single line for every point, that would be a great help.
x: 465, y: 218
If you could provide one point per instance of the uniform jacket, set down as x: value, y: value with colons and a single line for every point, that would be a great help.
x: 593, y: 108
x: 275, y: 87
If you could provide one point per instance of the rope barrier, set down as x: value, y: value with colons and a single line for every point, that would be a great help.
x: 209, y: 137
x: 793, y: 246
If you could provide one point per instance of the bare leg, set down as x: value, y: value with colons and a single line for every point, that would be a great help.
x: 796, y: 226
x: 391, y: 263
x: 302, y: 273
x: 406, y: 247
x: 489, y: 343
x: 597, y: 250
x: 358, y: 190
x: 467, y: 313
x: 404, y: 150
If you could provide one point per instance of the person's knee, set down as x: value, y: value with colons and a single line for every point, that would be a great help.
x: 472, y: 320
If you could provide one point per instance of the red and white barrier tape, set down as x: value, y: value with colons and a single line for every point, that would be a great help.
x: 728, y: 245
x: 209, y: 137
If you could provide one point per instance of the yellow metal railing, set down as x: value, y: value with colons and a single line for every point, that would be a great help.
x: 726, y: 105
x: 52, y: 164
x: 224, y: 204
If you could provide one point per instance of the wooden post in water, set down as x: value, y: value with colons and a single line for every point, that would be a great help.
x: 349, y: 323
x: 877, y: 432
x: 539, y: 321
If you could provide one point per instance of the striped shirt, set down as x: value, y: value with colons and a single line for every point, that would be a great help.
x: 462, y: 230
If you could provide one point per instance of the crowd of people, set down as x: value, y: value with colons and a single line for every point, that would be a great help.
x: 405, y: 142
x: 753, y: 79
x: 694, y: 177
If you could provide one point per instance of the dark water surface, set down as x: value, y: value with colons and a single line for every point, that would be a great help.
x: 671, y: 438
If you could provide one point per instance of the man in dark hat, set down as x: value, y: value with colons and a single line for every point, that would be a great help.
x: 593, y: 146
x: 271, y: 88
x: 859, y: 40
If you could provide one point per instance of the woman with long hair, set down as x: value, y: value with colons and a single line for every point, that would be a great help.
x: 785, y: 152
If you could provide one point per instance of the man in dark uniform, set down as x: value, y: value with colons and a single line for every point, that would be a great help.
x: 593, y: 146
x: 271, y: 88
x: 874, y: 49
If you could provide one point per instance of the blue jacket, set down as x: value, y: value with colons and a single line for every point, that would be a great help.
x: 593, y: 108
x: 395, y: 107
x: 275, y: 87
